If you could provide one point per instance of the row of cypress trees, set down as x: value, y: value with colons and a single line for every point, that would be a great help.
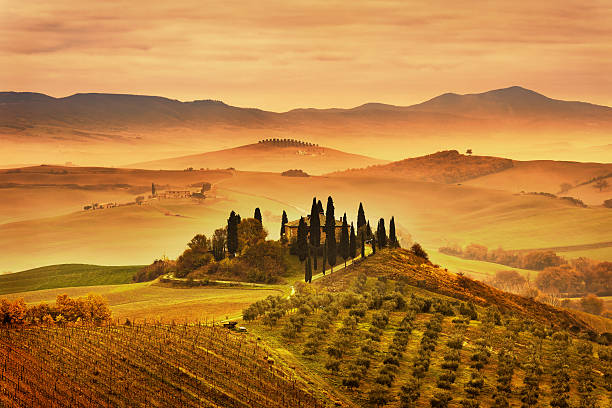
x: 309, y: 239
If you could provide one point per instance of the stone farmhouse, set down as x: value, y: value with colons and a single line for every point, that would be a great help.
x: 291, y: 228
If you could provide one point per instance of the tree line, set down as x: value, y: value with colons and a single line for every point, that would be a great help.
x: 92, y: 309
x: 307, y: 245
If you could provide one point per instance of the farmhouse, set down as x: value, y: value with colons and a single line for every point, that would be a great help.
x: 291, y: 228
x: 175, y: 194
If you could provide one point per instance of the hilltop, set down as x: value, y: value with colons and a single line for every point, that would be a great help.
x: 267, y: 156
x: 563, y: 178
x: 113, y: 129
x: 443, y: 167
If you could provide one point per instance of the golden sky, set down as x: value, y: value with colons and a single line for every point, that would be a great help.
x: 279, y: 54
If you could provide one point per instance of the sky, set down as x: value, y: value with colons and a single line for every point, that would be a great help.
x: 278, y: 55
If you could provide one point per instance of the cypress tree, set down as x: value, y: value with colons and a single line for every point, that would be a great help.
x: 330, y: 233
x: 373, y: 246
x: 325, y: 256
x: 153, y: 190
x: 315, y: 229
x: 392, y: 238
x: 344, y: 240
x: 284, y: 221
x: 363, y: 245
x: 257, y: 215
x: 361, y: 219
x: 381, y: 234
x: 353, y: 243
x: 308, y: 270
x: 320, y: 206
x: 232, y: 233
x: 368, y: 231
x: 302, y: 240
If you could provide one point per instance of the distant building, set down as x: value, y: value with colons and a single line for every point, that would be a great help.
x: 291, y: 228
x: 174, y: 194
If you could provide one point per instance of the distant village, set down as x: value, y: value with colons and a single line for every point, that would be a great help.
x: 155, y: 195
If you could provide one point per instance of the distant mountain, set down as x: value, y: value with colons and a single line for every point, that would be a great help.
x: 112, y: 112
x: 512, y: 121
x: 267, y: 156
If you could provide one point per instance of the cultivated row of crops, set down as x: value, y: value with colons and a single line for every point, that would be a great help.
x: 142, y: 365
x: 385, y: 343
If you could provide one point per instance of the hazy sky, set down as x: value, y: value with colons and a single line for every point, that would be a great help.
x: 279, y: 54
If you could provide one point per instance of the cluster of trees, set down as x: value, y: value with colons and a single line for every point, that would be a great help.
x: 92, y: 309
x: 238, y: 250
x: 307, y: 244
x: 534, y: 260
x: 286, y: 142
x: 578, y: 276
x: 159, y: 267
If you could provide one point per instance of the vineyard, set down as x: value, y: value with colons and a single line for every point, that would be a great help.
x: 143, y: 365
x: 381, y: 342
x: 393, y: 331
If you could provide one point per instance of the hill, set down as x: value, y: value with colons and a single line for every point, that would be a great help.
x: 267, y: 156
x: 442, y: 167
x: 562, y: 178
x: 396, y: 328
x: 153, y: 365
x: 68, y: 275
x: 113, y: 129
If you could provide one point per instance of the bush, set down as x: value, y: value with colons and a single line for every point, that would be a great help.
x: 151, y: 272
x: 418, y: 250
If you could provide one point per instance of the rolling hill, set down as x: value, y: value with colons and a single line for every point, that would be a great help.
x: 498, y: 173
x: 135, y: 128
x: 267, y: 157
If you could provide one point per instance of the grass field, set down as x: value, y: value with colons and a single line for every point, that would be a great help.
x: 478, y: 269
x: 152, y: 302
x: 67, y: 275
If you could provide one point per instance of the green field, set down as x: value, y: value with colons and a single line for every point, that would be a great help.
x: 477, y: 269
x: 66, y: 275
x: 154, y: 302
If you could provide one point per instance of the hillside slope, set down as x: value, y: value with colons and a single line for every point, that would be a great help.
x: 267, y: 157
x: 152, y: 365
x: 442, y: 167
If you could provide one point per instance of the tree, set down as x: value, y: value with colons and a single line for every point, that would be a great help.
x: 330, y: 233
x: 418, y: 250
x: 284, y: 221
x: 592, y: 304
x: 392, y: 237
x: 362, y: 245
x: 325, y: 256
x: 601, y: 184
x: 353, y: 243
x: 368, y: 231
x: 139, y: 200
x: 219, y: 240
x: 344, y: 241
x: 232, y: 234
x: 381, y: 234
x: 468, y: 151
x: 153, y: 191
x: 250, y: 232
x: 361, y: 219
x: 307, y: 270
x: 315, y: 229
x: 302, y: 240
x: 373, y: 244
x: 257, y: 215
x: 198, y: 244
x: 320, y: 206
